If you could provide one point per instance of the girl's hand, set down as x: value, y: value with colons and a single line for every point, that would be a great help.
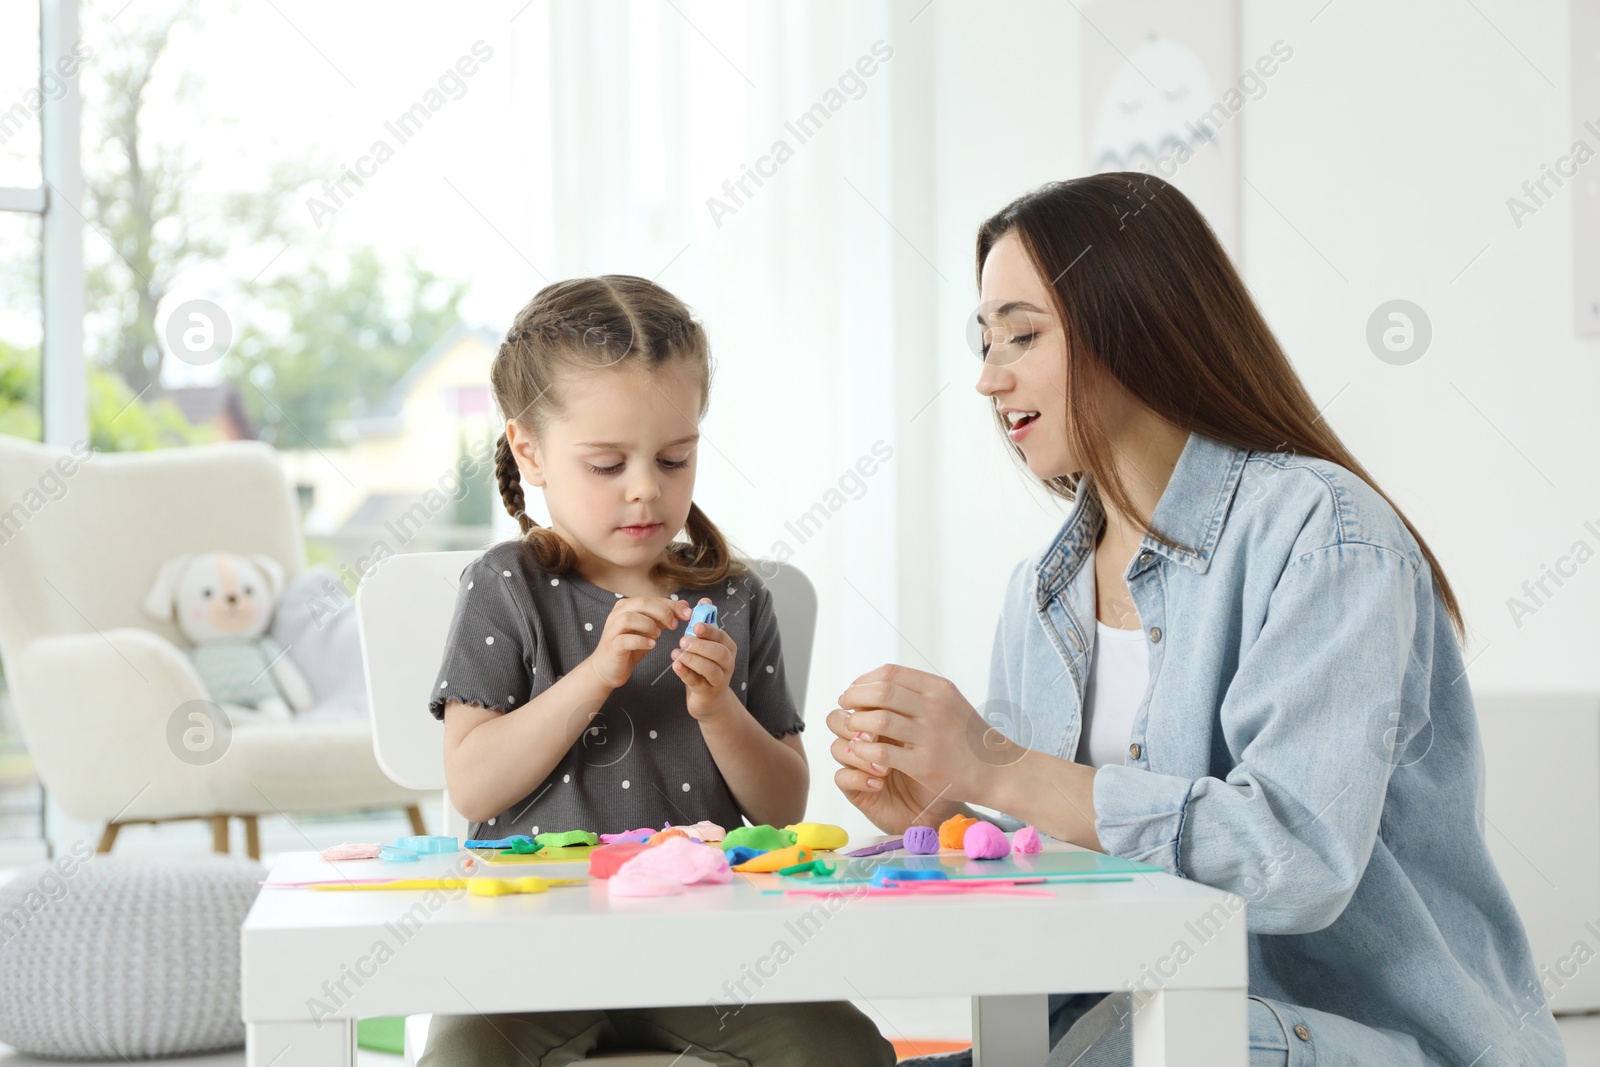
x: 919, y: 728
x: 704, y: 660
x: 631, y: 632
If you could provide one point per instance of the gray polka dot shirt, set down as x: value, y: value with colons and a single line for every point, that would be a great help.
x: 641, y: 761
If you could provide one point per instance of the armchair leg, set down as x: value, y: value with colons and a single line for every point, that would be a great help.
x: 219, y: 833
x: 252, y: 836
x: 108, y: 837
x: 418, y: 827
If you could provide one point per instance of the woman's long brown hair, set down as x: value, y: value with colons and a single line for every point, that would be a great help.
x: 1151, y: 301
x: 585, y: 325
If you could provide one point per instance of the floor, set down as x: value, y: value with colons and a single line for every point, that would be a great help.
x: 939, y: 1020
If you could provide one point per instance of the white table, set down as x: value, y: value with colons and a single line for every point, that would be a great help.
x: 314, y: 962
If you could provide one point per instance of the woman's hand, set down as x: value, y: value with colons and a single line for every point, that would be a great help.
x: 704, y: 659
x: 630, y: 633
x: 890, y: 798
x: 919, y: 729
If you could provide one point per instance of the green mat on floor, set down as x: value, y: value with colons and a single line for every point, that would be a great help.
x: 382, y: 1034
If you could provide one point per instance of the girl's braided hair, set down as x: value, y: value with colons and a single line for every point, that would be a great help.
x: 584, y: 324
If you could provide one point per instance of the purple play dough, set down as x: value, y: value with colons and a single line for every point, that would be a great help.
x: 921, y: 840
x: 984, y: 841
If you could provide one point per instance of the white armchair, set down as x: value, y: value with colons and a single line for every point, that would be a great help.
x: 99, y: 689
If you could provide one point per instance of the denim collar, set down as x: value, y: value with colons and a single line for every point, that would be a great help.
x: 1191, y: 513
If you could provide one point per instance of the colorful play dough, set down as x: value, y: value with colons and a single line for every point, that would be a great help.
x: 819, y: 835
x: 776, y: 860
x: 566, y: 837
x: 889, y: 875
x: 643, y: 885
x: 671, y: 831
x: 605, y: 860
x: 705, y: 830
x: 743, y: 854
x: 1026, y: 840
x: 763, y: 837
x: 921, y: 840
x: 676, y: 860
x: 984, y: 841
x: 426, y: 844
x: 953, y: 829
x: 641, y: 834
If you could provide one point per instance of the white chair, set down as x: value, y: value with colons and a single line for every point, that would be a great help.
x: 96, y: 683
x: 403, y: 610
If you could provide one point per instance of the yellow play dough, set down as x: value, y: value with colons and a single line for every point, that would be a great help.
x: 819, y: 835
x: 776, y: 860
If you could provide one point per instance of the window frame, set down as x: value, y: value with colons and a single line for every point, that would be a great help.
x: 64, y: 387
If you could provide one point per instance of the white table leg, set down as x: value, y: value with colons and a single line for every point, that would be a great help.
x: 1010, y: 1031
x: 1192, y: 1028
x: 301, y: 1043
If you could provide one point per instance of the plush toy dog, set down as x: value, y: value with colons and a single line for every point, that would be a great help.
x: 223, y: 604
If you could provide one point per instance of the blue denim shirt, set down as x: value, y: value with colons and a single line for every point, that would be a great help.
x: 1307, y: 741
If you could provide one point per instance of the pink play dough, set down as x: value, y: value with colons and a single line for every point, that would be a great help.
x: 677, y: 860
x: 984, y: 841
x: 1027, y: 840
x: 641, y: 834
x: 639, y: 885
x: 705, y: 830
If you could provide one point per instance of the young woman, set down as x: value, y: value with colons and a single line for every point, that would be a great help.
x: 1236, y: 659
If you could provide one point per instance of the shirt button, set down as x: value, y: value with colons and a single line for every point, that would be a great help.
x: 1145, y: 557
x: 1155, y: 633
x: 1301, y: 1032
x: 1134, y: 750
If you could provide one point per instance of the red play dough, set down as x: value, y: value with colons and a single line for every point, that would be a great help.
x: 604, y: 861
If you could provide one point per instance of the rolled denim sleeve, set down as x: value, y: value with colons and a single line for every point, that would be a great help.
x: 1310, y: 717
x: 1001, y: 696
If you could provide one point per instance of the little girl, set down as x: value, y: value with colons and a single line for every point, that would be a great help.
x: 566, y: 703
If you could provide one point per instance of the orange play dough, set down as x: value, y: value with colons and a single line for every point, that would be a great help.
x: 661, y: 835
x: 953, y: 830
x: 776, y: 860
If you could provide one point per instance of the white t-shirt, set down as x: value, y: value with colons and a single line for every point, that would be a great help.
x: 1119, y: 672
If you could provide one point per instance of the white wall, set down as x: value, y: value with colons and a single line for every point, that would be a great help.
x: 1390, y: 142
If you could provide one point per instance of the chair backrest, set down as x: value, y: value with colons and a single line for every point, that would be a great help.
x: 81, y: 540
x: 403, y: 611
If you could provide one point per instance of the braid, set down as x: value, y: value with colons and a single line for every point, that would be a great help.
x: 510, y: 479
x: 552, y: 551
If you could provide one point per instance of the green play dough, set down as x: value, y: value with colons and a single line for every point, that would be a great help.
x: 763, y: 837
x: 567, y: 837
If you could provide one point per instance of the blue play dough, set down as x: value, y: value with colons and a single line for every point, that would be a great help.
x: 703, y: 613
x: 427, y: 844
x: 885, y: 875
x: 500, y: 842
x: 739, y: 853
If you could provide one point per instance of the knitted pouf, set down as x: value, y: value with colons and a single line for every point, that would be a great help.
x: 106, y: 958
